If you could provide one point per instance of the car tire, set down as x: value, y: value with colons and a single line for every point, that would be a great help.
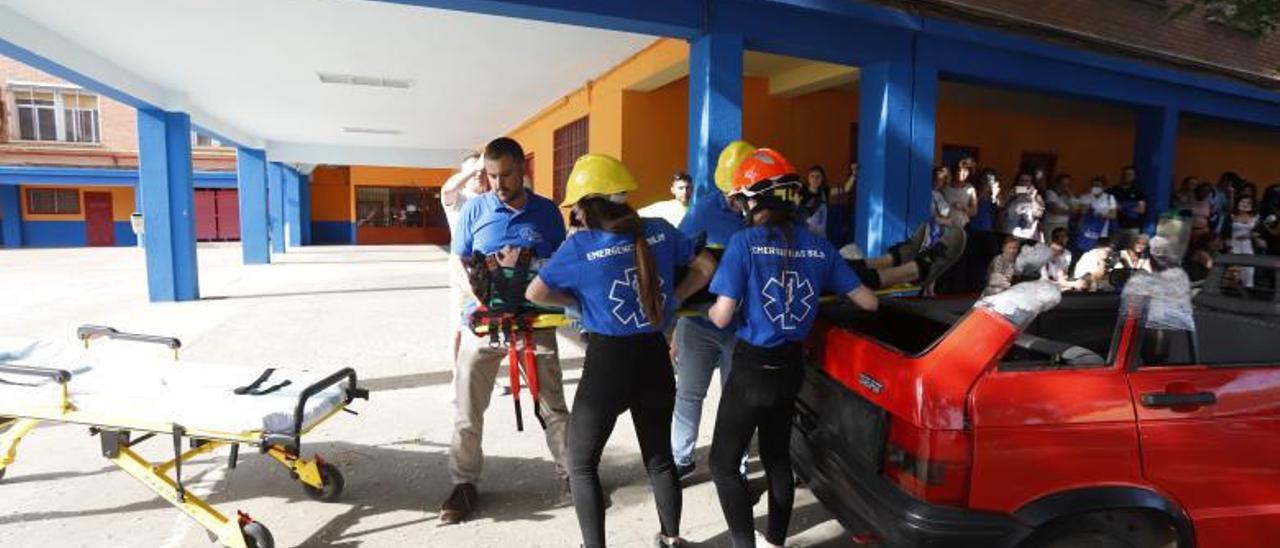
x: 1107, y: 529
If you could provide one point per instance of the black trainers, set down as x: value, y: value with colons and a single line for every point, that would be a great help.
x: 942, y: 254
x: 683, y: 471
x: 461, y: 502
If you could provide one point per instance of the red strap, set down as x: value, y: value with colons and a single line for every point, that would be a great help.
x: 530, y: 363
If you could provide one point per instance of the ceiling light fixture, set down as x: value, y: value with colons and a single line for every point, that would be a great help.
x: 372, y: 130
x: 369, y: 81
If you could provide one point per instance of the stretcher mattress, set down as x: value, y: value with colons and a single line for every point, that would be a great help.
x: 148, y: 388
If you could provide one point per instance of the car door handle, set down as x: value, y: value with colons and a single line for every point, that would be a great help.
x: 1165, y: 399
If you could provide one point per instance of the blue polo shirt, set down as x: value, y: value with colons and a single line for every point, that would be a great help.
x: 598, y: 268
x: 777, y: 287
x: 487, y: 225
x: 711, y: 215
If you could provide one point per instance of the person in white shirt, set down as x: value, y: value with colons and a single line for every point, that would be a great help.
x: 462, y: 186
x: 1092, y: 268
x: 1024, y: 210
x: 1058, y: 204
x: 672, y: 211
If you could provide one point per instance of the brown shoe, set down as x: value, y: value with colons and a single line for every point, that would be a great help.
x: 461, y: 501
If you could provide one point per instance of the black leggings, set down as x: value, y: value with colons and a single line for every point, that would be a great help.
x: 760, y: 394
x: 622, y: 373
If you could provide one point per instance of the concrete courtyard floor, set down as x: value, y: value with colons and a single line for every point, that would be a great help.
x: 380, y: 310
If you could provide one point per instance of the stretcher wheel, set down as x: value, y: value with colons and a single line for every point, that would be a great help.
x: 333, y: 484
x: 256, y: 535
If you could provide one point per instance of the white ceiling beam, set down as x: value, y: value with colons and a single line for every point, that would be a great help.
x: 311, y: 153
x: 43, y: 48
x: 811, y: 77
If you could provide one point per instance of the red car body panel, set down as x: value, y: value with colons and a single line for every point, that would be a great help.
x: 1041, y: 432
x: 929, y: 390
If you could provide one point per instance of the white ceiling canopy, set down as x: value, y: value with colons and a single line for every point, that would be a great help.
x: 334, y: 81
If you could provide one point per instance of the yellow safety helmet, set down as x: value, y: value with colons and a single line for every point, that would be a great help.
x: 597, y: 175
x: 727, y: 166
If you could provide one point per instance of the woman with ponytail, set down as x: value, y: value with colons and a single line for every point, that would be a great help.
x: 769, y: 278
x: 621, y: 271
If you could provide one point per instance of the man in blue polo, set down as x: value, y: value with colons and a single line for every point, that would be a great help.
x: 700, y: 347
x: 503, y: 223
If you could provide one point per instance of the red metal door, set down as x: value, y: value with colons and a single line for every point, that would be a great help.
x: 206, y: 215
x: 228, y: 202
x: 98, y: 219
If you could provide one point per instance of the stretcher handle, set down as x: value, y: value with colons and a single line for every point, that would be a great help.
x: 88, y: 332
x: 61, y: 376
x: 293, y: 442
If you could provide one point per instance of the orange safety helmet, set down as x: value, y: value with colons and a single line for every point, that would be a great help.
x: 763, y: 172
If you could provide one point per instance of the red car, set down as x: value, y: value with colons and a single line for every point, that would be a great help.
x: 931, y: 423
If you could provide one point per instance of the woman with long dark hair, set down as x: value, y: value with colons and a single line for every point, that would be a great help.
x: 770, y: 278
x: 621, y: 270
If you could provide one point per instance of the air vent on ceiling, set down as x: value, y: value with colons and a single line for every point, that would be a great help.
x: 373, y: 130
x: 371, y: 81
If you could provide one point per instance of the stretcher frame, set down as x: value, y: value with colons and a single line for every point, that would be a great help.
x: 319, y: 479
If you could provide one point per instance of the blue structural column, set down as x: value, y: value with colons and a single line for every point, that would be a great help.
x: 1155, y: 140
x: 292, y: 207
x: 275, y: 205
x: 715, y: 103
x: 168, y: 204
x: 884, y: 155
x: 924, y: 110
x: 251, y: 180
x: 10, y: 216
x: 304, y: 186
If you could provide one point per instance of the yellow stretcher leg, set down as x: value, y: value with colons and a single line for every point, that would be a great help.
x: 230, y: 532
x: 322, y: 481
x: 18, y: 428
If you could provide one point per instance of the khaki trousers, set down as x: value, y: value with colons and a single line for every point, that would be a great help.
x: 474, y: 374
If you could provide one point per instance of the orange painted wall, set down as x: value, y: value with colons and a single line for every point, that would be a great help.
x: 1089, y: 138
x: 810, y: 129
x: 603, y: 100
x: 331, y: 194
x: 121, y: 203
x: 1206, y: 148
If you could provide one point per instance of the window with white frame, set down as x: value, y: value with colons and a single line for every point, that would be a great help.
x: 46, y: 113
x: 201, y: 140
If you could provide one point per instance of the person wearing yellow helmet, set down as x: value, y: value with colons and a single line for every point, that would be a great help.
x: 620, y: 270
x: 700, y: 348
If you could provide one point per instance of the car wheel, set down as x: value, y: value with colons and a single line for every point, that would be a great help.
x: 1107, y: 529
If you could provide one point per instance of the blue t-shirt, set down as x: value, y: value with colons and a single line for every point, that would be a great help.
x: 487, y: 225
x: 777, y: 288
x: 711, y: 215
x: 598, y: 268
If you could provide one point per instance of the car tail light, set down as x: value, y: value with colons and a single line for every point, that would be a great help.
x: 932, y: 465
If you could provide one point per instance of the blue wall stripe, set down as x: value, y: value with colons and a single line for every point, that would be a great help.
x: 54, y: 234
x: 124, y: 234
x: 333, y: 233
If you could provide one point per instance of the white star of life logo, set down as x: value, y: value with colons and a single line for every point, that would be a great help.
x: 625, y: 295
x: 788, y: 300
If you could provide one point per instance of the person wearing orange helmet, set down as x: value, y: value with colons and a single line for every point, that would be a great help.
x: 768, y: 281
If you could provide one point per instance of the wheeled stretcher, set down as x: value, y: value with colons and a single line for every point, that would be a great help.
x: 126, y: 401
